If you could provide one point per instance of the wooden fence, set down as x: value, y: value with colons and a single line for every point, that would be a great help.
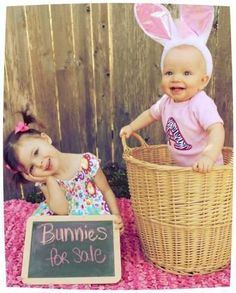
x: 88, y: 69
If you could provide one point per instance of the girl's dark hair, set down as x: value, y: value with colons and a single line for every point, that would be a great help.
x: 9, y: 151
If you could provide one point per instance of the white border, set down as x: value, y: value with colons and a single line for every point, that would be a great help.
x: 3, y: 5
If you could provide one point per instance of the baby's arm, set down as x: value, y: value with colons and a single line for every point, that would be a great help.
x: 140, y: 122
x: 103, y: 185
x: 216, y: 136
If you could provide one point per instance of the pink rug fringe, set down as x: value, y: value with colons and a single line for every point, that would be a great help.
x: 137, y: 272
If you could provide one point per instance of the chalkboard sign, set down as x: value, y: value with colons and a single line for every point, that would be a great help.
x: 71, y: 250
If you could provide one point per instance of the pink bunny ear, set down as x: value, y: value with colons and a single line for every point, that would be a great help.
x: 155, y: 20
x: 193, y: 27
x: 199, y: 18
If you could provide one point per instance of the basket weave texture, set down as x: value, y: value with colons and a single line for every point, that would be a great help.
x: 183, y: 217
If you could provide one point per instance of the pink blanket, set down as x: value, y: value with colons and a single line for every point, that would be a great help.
x: 137, y: 272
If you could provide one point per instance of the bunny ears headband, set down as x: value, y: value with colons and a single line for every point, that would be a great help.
x: 192, y: 28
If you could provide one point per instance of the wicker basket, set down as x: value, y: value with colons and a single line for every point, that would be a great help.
x: 183, y: 217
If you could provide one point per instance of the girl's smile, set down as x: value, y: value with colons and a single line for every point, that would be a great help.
x: 43, y: 159
x: 48, y: 165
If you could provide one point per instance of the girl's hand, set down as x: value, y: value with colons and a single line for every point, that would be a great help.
x: 119, y: 223
x: 126, y: 130
x: 204, y: 164
x: 34, y: 179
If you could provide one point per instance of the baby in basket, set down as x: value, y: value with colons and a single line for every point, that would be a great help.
x: 193, y: 126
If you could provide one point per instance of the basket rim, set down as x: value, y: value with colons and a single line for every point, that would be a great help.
x: 127, y: 156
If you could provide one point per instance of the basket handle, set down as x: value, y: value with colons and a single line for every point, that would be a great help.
x: 137, y: 136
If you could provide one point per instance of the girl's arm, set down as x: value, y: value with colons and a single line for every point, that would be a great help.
x: 216, y: 136
x: 55, y: 196
x: 140, y: 122
x: 101, y: 182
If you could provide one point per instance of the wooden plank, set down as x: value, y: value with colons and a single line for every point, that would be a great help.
x: 212, y: 46
x: 17, y: 65
x: 85, y: 112
x: 43, y: 69
x: 102, y: 77
x: 18, y: 89
x: 70, y: 106
x: 62, y: 35
x: 66, y: 77
x: 223, y: 73
x: 17, y: 68
x: 135, y: 75
x: 75, y: 89
x: 10, y: 190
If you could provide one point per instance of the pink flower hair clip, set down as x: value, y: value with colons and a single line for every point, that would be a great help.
x: 21, y: 127
x: 10, y: 169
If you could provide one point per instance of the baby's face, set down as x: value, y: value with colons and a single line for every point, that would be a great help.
x: 184, y: 73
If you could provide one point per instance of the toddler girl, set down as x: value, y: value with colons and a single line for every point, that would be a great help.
x: 73, y: 184
x: 193, y: 126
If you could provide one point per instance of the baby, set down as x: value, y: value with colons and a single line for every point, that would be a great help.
x: 193, y: 126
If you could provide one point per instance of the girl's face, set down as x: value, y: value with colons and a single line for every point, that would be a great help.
x: 37, y: 156
x: 184, y: 73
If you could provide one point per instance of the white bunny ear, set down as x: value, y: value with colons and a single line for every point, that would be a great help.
x: 193, y: 27
x: 156, y: 21
x: 199, y: 18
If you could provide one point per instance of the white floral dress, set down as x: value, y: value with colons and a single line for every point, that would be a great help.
x: 84, y: 197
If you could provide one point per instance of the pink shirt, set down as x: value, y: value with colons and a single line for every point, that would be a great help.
x: 186, y: 124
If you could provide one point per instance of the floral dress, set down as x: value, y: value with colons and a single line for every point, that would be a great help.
x: 84, y: 197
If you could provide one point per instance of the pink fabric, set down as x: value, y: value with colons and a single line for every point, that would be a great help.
x: 137, y: 272
x: 185, y: 125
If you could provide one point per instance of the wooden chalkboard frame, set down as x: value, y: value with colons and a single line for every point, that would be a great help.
x: 70, y: 280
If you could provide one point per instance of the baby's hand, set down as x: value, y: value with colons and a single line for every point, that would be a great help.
x: 126, y: 130
x: 204, y: 164
x: 119, y: 223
